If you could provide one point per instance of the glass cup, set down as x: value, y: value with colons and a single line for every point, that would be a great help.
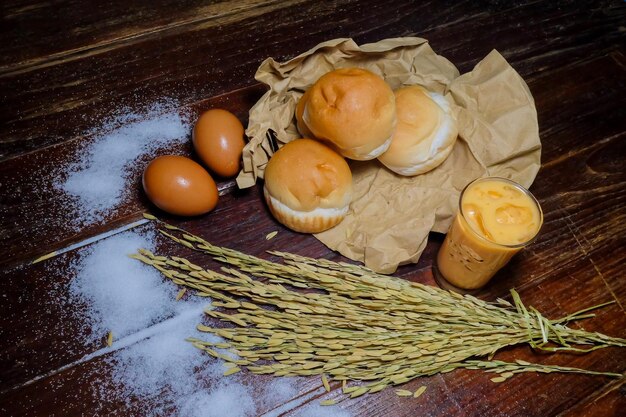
x: 497, y: 217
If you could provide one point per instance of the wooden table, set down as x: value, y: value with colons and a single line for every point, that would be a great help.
x: 66, y: 66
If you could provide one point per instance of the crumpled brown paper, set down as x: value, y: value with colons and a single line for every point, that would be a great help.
x: 390, y: 215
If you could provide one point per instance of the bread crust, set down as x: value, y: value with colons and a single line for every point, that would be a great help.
x: 353, y: 109
x: 308, y: 186
x: 425, y: 135
x: 300, y: 124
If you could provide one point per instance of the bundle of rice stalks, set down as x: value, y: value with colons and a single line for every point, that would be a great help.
x: 317, y: 317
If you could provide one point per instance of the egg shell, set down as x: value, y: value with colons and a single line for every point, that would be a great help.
x: 218, y: 141
x: 179, y: 186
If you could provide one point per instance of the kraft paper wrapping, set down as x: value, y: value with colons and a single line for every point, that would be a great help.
x: 391, y: 216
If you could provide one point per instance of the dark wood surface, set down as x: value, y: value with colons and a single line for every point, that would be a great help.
x: 67, y: 65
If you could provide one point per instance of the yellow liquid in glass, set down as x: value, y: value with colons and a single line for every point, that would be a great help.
x: 500, y: 212
x: 497, y: 219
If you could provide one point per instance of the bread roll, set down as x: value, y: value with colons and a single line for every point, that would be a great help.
x: 308, y: 186
x: 302, y: 127
x: 425, y: 134
x: 353, y: 110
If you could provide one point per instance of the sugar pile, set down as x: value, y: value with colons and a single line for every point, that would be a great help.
x: 227, y: 399
x: 134, y: 302
x: 150, y: 360
x: 96, y: 184
x: 122, y: 294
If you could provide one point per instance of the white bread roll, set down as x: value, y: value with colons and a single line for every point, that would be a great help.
x: 425, y: 134
x: 308, y: 186
x: 353, y: 110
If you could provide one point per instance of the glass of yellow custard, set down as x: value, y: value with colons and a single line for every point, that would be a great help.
x: 496, y: 219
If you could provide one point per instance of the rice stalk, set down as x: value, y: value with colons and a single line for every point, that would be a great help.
x: 354, y: 324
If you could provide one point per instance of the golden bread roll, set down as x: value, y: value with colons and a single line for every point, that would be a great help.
x: 308, y: 186
x: 425, y: 134
x: 302, y: 127
x: 353, y: 110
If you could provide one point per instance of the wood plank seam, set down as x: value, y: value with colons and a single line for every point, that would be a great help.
x: 111, y: 44
x: 574, y: 230
x: 596, y: 395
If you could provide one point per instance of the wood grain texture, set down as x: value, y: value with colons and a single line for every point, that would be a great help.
x: 66, y: 66
x: 69, y: 95
x: 31, y: 39
x: 32, y: 205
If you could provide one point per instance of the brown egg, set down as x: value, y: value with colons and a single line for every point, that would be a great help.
x: 218, y: 140
x: 179, y: 186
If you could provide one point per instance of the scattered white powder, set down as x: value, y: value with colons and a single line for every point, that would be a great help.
x: 155, y: 364
x: 227, y: 399
x: 165, y: 359
x: 314, y: 409
x: 97, y: 184
x: 278, y: 391
x: 233, y: 399
x: 122, y: 294
x: 150, y: 361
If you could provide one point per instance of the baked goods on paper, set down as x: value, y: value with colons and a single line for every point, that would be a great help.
x: 391, y: 215
x: 425, y: 134
x: 351, y: 109
x: 308, y: 186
